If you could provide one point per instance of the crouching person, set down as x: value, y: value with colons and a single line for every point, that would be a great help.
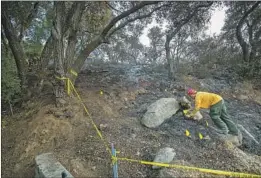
x: 218, y: 112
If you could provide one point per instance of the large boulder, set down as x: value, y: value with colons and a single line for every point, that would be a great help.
x: 159, y: 111
x: 164, y: 155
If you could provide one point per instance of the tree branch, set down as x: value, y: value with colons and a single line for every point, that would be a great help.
x: 132, y: 20
x: 25, y: 24
x: 85, y: 52
x: 187, y: 19
x: 113, y: 8
x: 74, y: 15
x: 125, y: 14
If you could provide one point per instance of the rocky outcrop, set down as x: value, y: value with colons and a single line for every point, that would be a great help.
x: 159, y: 111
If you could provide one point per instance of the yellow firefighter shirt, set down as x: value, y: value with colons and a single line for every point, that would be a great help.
x: 205, y: 100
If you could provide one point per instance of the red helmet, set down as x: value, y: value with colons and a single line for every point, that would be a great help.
x: 191, y: 91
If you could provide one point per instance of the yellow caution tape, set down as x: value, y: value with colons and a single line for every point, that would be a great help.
x: 207, y: 123
x: 192, y: 168
x: 94, y: 125
x: 185, y: 111
x: 87, y: 112
x: 187, y: 133
x: 200, y: 136
x: 114, y: 158
x: 73, y: 72
x: 68, y: 87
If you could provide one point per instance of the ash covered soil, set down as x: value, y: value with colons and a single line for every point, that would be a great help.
x: 127, y: 92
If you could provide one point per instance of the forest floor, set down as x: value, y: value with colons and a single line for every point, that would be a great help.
x: 127, y: 92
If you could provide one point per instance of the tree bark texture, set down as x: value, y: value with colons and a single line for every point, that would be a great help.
x: 16, y: 48
x: 241, y: 41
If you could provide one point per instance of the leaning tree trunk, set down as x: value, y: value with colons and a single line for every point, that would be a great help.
x: 78, y: 63
x: 64, y: 24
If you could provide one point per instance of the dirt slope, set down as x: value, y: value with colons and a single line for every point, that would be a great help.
x: 127, y: 91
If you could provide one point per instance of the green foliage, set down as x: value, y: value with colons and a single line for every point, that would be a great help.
x: 10, y: 83
x: 33, y: 49
x: 96, y: 16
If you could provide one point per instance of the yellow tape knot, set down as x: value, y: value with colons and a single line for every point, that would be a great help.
x: 114, y: 160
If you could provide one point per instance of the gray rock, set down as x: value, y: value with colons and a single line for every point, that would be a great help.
x: 69, y: 114
x: 164, y: 155
x: 243, y: 97
x: 166, y: 173
x: 159, y: 111
x: 235, y: 140
x: 198, y: 116
x: 58, y: 114
x: 48, y: 166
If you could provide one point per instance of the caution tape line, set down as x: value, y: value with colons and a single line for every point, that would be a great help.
x: 114, y: 159
x: 93, y: 123
x: 69, y: 84
x: 203, y: 170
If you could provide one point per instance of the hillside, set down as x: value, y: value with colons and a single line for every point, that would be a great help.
x: 127, y: 92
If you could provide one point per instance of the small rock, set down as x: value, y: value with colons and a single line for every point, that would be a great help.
x: 93, y: 168
x: 164, y: 155
x: 75, y: 171
x: 206, y: 137
x: 198, y: 116
x: 60, y: 102
x: 68, y: 114
x: 133, y: 135
x: 103, y: 126
x: 58, y: 114
x: 232, y: 139
x: 242, y: 97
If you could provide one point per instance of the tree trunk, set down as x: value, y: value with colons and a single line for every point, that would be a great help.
x: 70, y: 50
x: 178, y: 55
x: 47, y: 53
x: 85, y: 53
x: 170, y: 61
x: 171, y: 34
x: 241, y: 41
x: 16, y: 48
x: 72, y: 27
x: 11, y: 108
x: 58, y: 53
